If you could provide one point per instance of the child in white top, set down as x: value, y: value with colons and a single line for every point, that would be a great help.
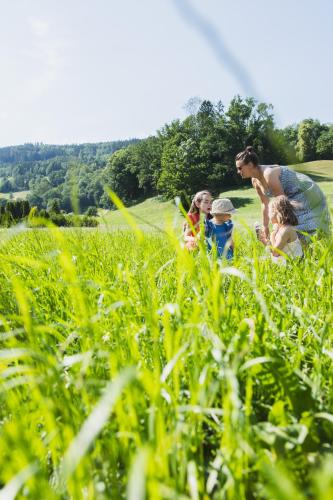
x: 283, y: 238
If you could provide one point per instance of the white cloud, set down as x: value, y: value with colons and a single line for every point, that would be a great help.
x: 45, y: 55
x: 38, y: 26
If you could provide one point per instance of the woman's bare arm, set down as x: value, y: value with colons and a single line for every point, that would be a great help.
x: 264, y: 207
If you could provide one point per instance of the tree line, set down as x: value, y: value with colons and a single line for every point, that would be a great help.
x: 198, y: 152
x: 14, y: 211
x: 181, y: 158
x: 47, y: 171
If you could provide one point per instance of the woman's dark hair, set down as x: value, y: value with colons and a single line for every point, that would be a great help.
x: 248, y: 156
x: 284, y: 211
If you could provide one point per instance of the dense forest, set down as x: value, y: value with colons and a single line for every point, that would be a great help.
x: 51, y: 172
x: 183, y: 157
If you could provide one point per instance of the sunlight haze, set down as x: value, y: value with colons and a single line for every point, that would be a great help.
x: 79, y: 71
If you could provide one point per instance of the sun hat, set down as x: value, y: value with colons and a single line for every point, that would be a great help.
x: 222, y: 206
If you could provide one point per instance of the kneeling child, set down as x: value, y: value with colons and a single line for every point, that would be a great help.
x: 218, y: 230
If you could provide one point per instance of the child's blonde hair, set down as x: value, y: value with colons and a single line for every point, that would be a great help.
x: 283, y: 210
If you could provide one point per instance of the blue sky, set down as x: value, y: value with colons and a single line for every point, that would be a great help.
x: 84, y: 71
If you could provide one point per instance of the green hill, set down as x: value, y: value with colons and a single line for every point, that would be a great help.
x: 322, y: 173
x: 320, y: 170
x: 47, y: 171
x: 158, y: 213
x: 148, y: 214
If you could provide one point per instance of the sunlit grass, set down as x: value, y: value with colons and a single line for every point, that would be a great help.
x: 130, y: 367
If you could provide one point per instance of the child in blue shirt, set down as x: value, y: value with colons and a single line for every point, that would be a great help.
x: 218, y: 230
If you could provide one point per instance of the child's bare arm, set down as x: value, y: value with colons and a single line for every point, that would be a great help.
x: 187, y: 232
x: 262, y: 238
x: 279, y: 241
x: 273, y: 236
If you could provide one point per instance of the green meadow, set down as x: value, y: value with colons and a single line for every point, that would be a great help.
x: 131, y: 368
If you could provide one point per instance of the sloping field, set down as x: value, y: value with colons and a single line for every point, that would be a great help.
x: 152, y: 212
x: 320, y: 171
x: 16, y: 195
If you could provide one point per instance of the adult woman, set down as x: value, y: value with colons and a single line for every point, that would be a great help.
x: 305, y: 195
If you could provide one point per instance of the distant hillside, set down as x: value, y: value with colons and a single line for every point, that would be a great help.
x: 12, y: 155
x: 40, y: 169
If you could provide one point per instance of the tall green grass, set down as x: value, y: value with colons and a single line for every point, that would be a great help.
x: 132, y: 368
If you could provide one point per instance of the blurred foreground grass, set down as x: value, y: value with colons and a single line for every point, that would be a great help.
x: 131, y: 368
